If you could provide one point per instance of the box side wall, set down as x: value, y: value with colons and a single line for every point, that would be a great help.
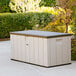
x: 59, y: 50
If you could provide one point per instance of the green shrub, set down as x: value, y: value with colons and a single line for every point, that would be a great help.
x: 55, y: 28
x: 4, y: 6
x: 74, y: 19
x: 73, y: 49
x: 48, y: 3
x: 17, y: 21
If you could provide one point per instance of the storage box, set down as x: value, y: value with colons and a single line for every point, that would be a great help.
x: 41, y: 47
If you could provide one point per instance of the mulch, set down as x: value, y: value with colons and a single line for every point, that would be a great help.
x: 5, y: 39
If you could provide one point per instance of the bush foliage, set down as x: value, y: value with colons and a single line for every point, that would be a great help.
x: 18, y: 21
x: 48, y: 3
x: 21, y: 6
x: 74, y: 19
x: 4, y: 6
x: 73, y: 49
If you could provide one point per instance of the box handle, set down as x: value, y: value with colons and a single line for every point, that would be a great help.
x: 27, y: 44
x: 58, y: 39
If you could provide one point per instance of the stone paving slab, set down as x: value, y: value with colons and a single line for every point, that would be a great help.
x: 14, y: 68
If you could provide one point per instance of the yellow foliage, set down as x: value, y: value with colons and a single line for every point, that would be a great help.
x: 69, y: 29
x: 56, y: 25
x: 51, y: 10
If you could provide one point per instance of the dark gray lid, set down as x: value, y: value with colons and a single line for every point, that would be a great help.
x: 44, y: 34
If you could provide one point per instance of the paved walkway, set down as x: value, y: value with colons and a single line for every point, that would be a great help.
x: 13, y: 68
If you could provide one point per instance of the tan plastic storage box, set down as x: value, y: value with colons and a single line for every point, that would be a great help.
x: 41, y: 47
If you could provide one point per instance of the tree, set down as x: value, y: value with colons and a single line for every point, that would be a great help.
x: 66, y: 4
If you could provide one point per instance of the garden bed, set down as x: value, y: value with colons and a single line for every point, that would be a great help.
x: 5, y: 39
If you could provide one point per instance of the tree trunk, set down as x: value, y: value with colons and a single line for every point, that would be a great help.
x: 57, y: 2
x: 66, y: 28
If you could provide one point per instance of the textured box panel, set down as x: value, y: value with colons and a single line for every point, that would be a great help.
x: 41, y: 51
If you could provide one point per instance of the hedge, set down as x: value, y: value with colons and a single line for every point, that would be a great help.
x: 17, y: 21
x: 48, y: 3
x: 73, y: 49
x: 4, y: 6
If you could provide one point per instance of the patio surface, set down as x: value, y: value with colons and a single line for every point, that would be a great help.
x: 14, y: 68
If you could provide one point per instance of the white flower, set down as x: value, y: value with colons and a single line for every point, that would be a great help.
x: 20, y: 5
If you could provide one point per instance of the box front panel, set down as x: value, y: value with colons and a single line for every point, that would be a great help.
x: 18, y: 47
x: 36, y: 50
x: 51, y: 43
x: 29, y: 49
